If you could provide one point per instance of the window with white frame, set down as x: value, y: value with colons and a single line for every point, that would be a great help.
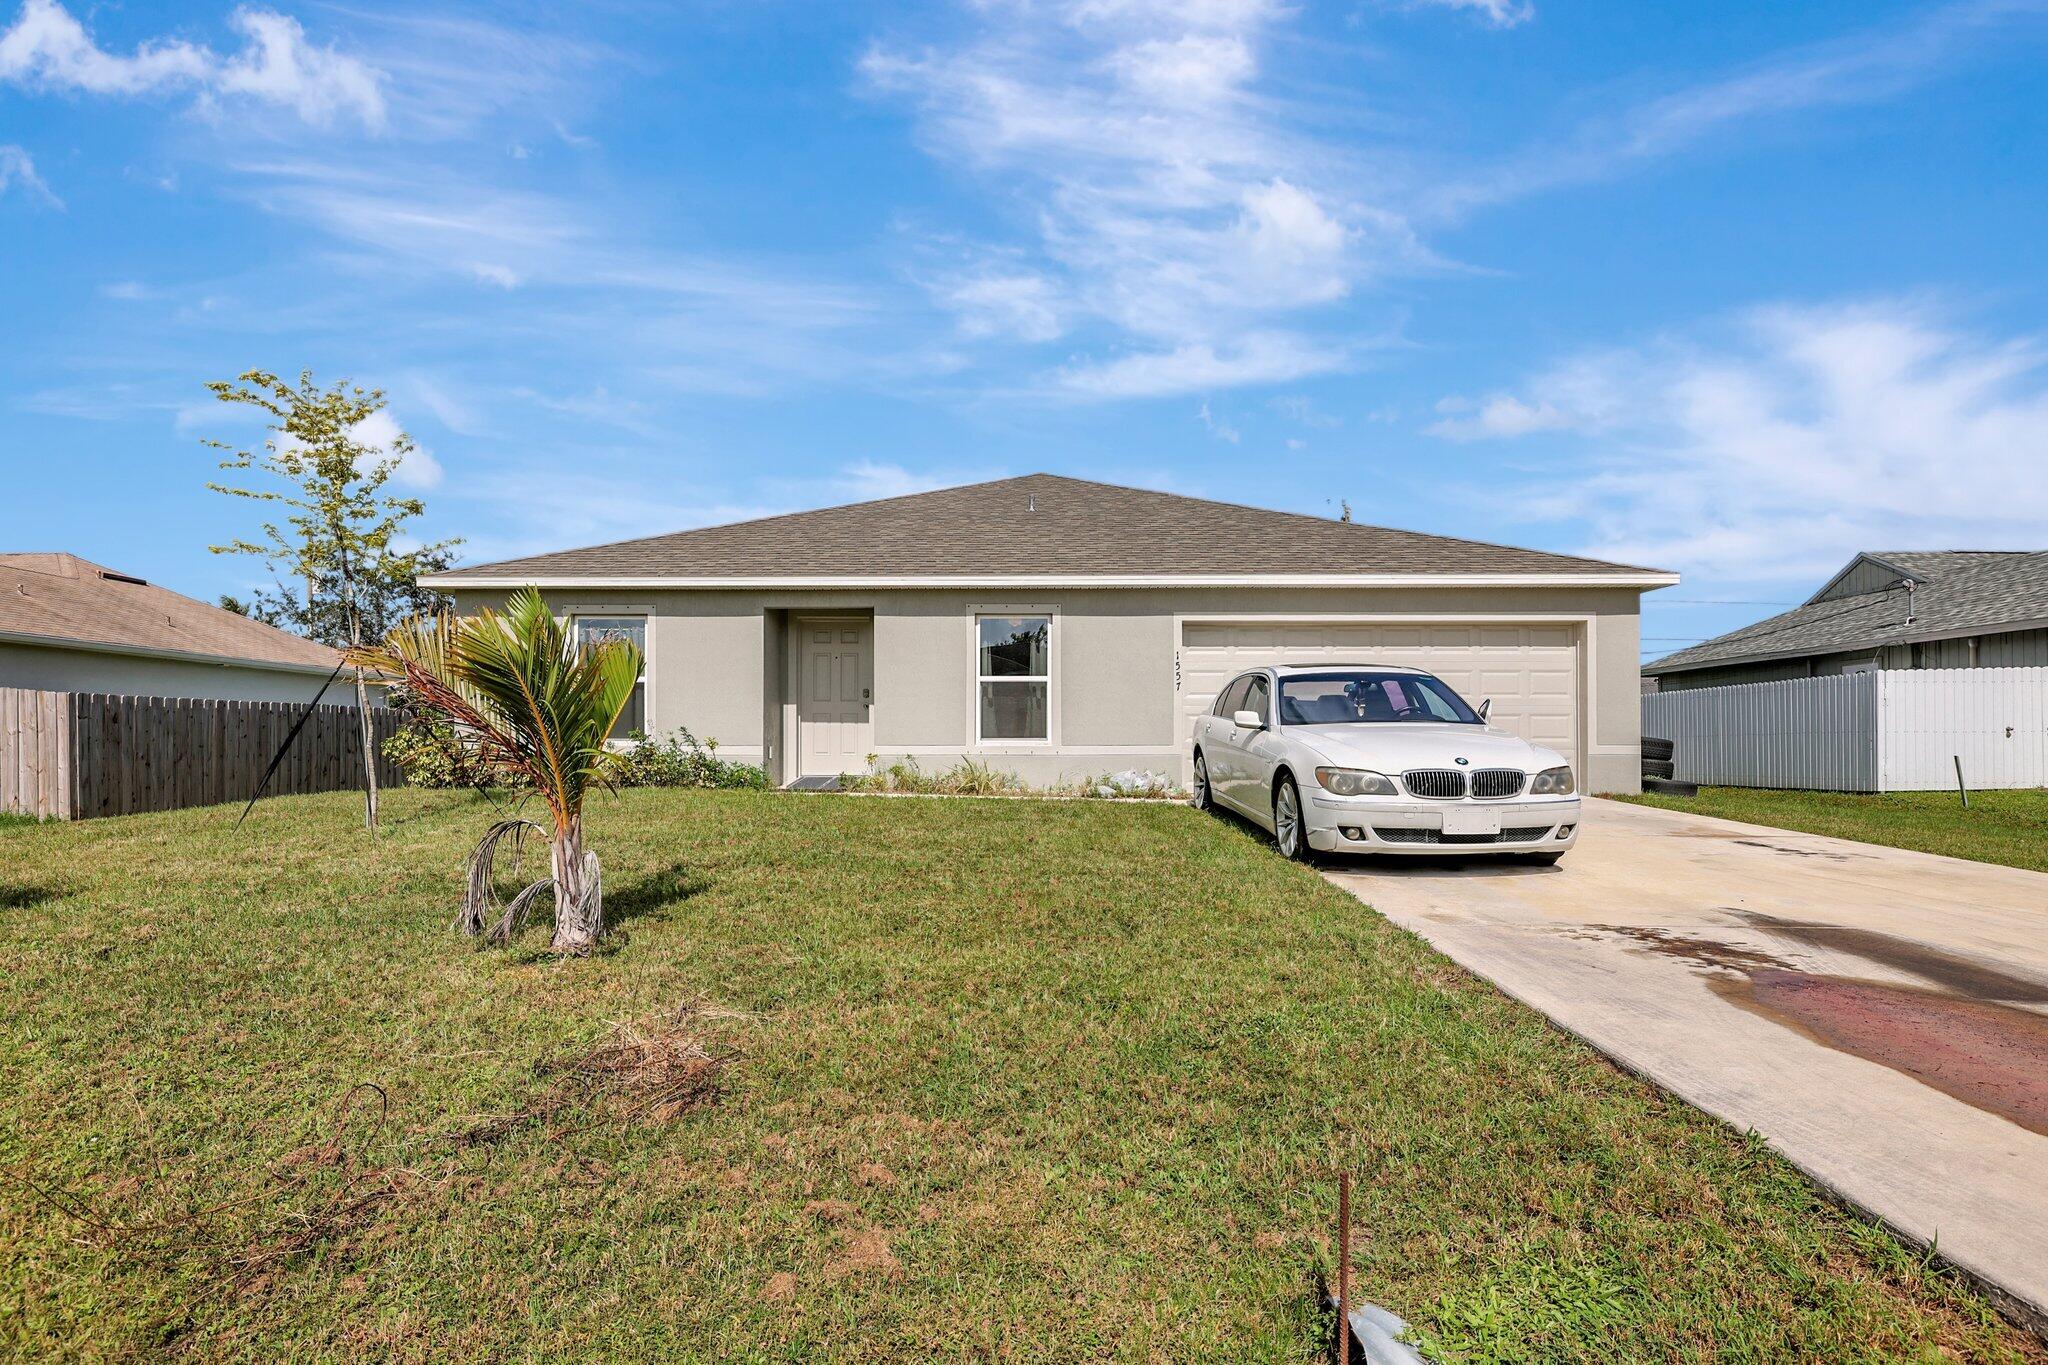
x: 591, y: 630
x: 1013, y: 676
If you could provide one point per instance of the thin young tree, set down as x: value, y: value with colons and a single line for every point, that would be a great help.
x: 340, y: 534
x: 530, y: 704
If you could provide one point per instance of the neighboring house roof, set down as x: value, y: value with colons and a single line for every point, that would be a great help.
x: 65, y: 602
x: 1041, y: 528
x: 1955, y: 592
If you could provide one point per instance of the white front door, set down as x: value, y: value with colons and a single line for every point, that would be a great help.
x: 834, y: 726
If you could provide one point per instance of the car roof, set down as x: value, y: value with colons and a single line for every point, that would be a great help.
x: 1340, y: 667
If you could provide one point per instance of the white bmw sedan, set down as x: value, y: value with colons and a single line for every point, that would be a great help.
x: 1364, y: 759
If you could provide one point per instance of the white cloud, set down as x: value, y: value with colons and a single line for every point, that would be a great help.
x: 1011, y: 303
x: 1499, y: 13
x: 18, y: 169
x: 48, y: 49
x: 417, y: 467
x: 1167, y: 196
x: 1500, y: 415
x: 279, y: 66
x: 1255, y: 358
x: 1776, y: 446
x: 1216, y: 426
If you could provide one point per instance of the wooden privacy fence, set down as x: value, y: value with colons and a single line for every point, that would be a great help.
x: 76, y: 755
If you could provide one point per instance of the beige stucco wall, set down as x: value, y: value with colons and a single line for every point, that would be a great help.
x: 81, y: 670
x: 718, y: 664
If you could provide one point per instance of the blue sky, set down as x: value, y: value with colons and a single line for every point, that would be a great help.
x: 1732, y: 289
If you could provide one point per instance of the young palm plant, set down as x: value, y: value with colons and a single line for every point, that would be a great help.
x: 533, y: 706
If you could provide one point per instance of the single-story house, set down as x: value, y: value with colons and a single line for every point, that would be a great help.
x: 1058, y: 628
x: 70, y: 625
x: 1923, y: 609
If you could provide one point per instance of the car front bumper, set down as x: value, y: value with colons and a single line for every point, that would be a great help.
x: 1383, y: 824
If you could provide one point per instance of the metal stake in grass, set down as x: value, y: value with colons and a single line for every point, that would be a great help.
x: 1343, y: 1268
x: 1965, y: 791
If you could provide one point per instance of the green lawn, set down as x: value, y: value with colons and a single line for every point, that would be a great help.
x: 2009, y: 827
x: 1017, y: 1080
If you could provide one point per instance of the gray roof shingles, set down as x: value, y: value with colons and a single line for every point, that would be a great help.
x: 1039, y: 524
x: 1957, y: 592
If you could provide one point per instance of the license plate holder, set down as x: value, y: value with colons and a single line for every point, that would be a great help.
x: 1471, y: 820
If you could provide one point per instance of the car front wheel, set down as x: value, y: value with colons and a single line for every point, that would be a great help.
x: 1289, y: 831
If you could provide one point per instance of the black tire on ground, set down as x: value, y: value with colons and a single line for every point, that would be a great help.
x: 1658, y: 748
x: 1659, y: 767
x: 1542, y: 859
x: 1201, y: 798
x: 1664, y: 786
x: 1290, y: 832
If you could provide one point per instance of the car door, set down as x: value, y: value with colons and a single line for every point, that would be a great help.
x: 1259, y: 752
x: 1222, y: 750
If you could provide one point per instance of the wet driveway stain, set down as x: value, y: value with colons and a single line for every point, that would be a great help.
x: 1701, y: 952
x: 1990, y: 1056
x: 1967, y: 1032
x: 1952, y: 972
x: 1829, y: 854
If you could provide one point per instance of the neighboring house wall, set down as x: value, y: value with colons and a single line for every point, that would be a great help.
x: 80, y: 670
x: 720, y: 663
x: 2006, y: 649
x: 1865, y: 576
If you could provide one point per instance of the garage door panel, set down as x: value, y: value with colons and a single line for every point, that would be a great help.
x: 1530, y: 672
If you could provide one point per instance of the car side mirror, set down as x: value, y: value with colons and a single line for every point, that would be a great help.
x: 1247, y: 720
x: 1485, y: 707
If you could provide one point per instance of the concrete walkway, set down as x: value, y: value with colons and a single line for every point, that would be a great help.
x: 1881, y: 1017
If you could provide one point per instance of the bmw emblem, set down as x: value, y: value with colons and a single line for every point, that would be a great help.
x: 1461, y: 762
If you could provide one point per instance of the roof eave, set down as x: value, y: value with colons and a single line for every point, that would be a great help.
x: 15, y: 637
x: 1624, y: 579
x: 1661, y: 666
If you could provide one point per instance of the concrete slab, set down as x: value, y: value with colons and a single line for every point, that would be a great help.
x: 1879, y: 1016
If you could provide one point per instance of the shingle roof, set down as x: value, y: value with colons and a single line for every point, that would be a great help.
x: 1038, y: 525
x: 64, y: 599
x: 1956, y: 592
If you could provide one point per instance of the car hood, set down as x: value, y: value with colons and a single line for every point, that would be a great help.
x: 1397, y: 746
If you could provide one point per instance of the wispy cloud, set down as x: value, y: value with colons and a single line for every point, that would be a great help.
x: 47, y: 48
x: 1774, y: 445
x: 1216, y: 426
x: 1167, y: 197
x: 1254, y: 358
x: 1499, y: 13
x: 1877, y: 64
x: 18, y: 171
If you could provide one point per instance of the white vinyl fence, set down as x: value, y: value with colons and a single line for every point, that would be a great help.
x: 1897, y: 730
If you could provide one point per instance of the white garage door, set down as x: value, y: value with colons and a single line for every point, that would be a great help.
x: 1532, y: 672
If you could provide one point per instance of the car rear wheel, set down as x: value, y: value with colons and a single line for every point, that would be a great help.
x: 1201, y: 798
x: 1289, y: 831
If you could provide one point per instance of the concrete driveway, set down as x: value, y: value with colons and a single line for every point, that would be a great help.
x: 1881, y: 1017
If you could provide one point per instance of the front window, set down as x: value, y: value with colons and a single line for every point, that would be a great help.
x: 1013, y: 671
x: 593, y: 630
x: 1370, y: 698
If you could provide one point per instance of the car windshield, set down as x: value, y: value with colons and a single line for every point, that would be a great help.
x: 1367, y: 698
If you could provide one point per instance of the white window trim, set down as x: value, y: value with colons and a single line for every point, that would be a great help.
x: 647, y: 618
x: 975, y: 678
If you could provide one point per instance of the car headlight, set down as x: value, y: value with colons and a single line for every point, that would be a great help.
x: 1553, y: 782
x: 1356, y: 782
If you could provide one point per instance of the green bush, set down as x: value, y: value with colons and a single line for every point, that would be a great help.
x: 427, y: 751
x: 681, y: 760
